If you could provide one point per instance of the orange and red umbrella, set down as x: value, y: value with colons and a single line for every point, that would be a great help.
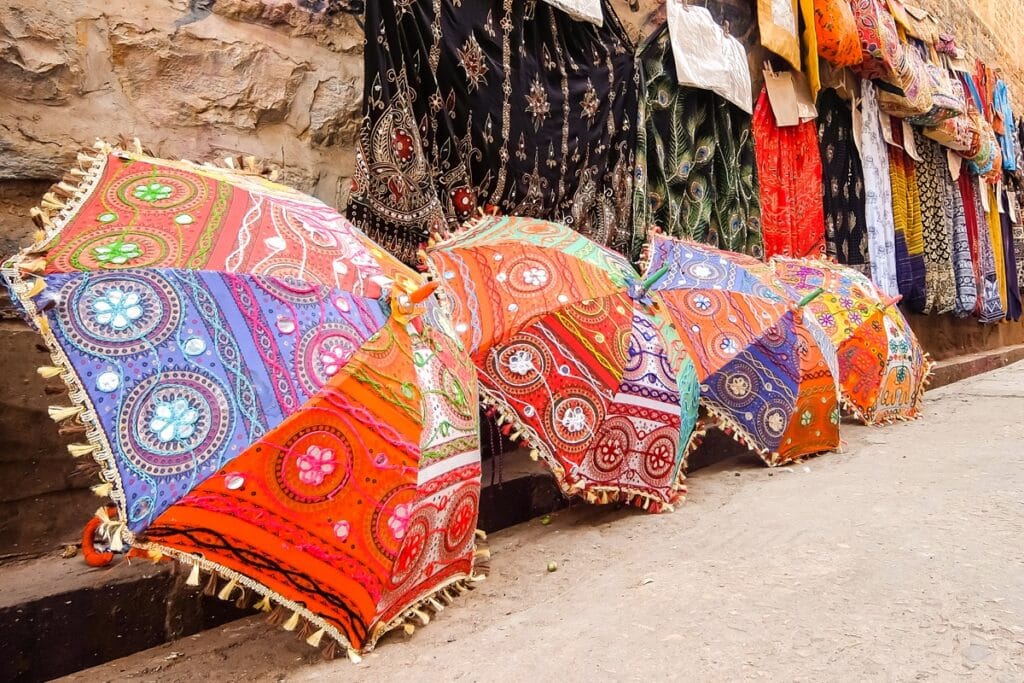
x: 883, y: 370
x: 766, y: 373
x: 573, y: 356
x: 271, y: 399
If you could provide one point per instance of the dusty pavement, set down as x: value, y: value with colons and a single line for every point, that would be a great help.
x: 901, y: 558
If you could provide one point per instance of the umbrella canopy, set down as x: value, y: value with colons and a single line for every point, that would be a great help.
x: 572, y: 355
x: 883, y: 371
x: 767, y: 372
x: 271, y: 398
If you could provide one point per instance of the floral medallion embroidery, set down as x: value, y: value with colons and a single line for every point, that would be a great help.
x: 315, y: 465
x: 473, y: 62
x: 117, y: 253
x: 521, y: 362
x: 117, y: 308
x: 537, y: 103
x: 152, y: 192
x: 590, y: 104
x: 173, y: 420
x: 399, y: 521
x: 574, y: 420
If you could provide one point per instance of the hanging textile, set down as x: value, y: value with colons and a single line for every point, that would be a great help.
x: 706, y: 56
x: 846, y: 237
x: 906, y: 212
x: 963, y: 264
x: 695, y: 161
x: 508, y: 103
x: 779, y: 25
x: 789, y: 173
x: 1013, y: 306
x: 1004, y: 124
x: 938, y: 209
x: 989, y: 305
x: 995, y: 235
x: 877, y: 194
x: 809, y: 48
x: 581, y: 10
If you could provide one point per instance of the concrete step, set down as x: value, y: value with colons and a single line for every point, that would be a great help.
x: 59, y: 615
x: 971, y: 364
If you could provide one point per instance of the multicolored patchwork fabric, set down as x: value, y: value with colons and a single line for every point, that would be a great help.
x: 572, y: 355
x: 185, y: 369
x: 767, y: 373
x: 359, y: 505
x: 883, y: 370
x: 272, y: 399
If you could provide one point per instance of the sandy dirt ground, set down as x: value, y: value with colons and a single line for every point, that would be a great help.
x: 898, y: 559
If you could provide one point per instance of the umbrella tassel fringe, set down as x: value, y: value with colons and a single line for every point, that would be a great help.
x: 63, y: 413
x: 49, y: 371
x: 78, y: 450
x: 512, y: 425
x: 736, y: 431
x: 308, y: 626
x: 227, y: 590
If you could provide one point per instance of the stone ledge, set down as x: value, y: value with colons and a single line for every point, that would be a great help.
x: 60, y: 616
x: 968, y: 365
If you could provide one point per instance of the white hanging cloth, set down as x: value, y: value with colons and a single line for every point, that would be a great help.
x: 581, y: 10
x: 707, y: 57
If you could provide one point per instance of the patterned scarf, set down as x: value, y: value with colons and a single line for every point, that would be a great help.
x: 995, y: 235
x: 963, y: 265
x: 507, y: 103
x: 1013, y: 303
x: 695, y: 174
x: 989, y: 308
x: 846, y: 237
x: 938, y: 209
x: 789, y: 172
x: 906, y: 211
x: 877, y: 194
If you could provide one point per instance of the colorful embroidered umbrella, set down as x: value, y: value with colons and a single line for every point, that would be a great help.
x: 573, y: 357
x: 883, y: 371
x: 767, y: 372
x: 271, y: 398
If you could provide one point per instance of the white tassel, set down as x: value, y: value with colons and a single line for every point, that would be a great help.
x: 61, y: 413
x: 225, y: 592
x: 292, y: 623
x: 315, y: 639
x: 103, y: 490
x: 78, y: 450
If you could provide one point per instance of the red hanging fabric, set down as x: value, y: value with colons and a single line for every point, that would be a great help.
x: 789, y: 171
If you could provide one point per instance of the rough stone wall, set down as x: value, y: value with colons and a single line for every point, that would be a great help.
x: 991, y: 30
x: 258, y: 77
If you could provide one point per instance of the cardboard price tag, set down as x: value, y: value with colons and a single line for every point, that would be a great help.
x: 790, y: 97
